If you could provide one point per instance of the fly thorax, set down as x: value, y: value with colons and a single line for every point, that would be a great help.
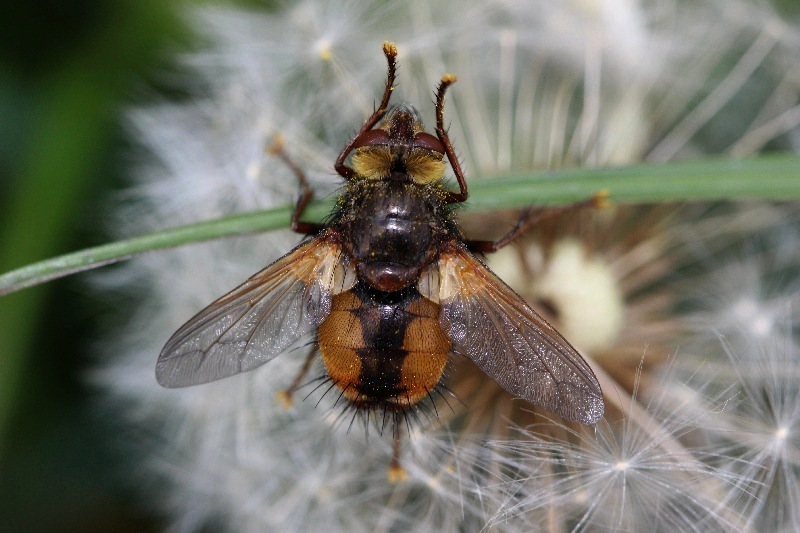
x: 391, y: 234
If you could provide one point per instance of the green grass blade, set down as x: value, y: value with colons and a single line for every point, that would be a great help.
x: 768, y: 178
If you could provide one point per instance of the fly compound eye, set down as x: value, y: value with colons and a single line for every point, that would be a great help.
x: 376, y: 137
x: 426, y: 140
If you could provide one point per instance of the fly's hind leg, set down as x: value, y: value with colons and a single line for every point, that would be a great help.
x: 284, y: 397
x: 396, y: 473
x: 531, y: 217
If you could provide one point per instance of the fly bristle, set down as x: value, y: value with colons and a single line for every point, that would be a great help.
x: 381, y: 415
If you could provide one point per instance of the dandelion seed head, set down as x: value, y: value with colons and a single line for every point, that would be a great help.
x: 542, y: 85
x: 586, y: 294
x: 753, y: 316
x: 323, y: 48
x: 622, y: 477
x: 762, y: 326
x: 434, y: 483
x: 753, y: 436
x: 580, y: 497
x: 746, y: 297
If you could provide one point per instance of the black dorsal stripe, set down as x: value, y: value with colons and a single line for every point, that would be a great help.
x: 384, y: 318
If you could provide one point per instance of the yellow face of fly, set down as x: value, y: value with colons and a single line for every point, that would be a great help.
x: 423, y: 166
x: 399, y: 148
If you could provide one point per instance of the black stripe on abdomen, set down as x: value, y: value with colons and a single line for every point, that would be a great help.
x: 383, y: 319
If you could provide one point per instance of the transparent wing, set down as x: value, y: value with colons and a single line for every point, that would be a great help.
x: 491, y: 325
x: 257, y: 320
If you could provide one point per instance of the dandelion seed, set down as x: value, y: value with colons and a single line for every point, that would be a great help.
x: 758, y: 440
x: 323, y: 47
x: 637, y: 471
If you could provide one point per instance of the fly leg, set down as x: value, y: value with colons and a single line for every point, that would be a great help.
x: 284, y: 397
x: 390, y: 51
x: 277, y: 149
x: 396, y: 473
x: 306, y: 193
x: 531, y: 217
x: 441, y: 132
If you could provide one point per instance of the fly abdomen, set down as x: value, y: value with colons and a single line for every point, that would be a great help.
x: 383, y: 349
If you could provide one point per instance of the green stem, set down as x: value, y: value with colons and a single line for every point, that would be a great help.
x: 775, y: 177
x: 768, y: 178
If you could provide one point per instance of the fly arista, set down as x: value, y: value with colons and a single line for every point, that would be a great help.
x: 388, y: 288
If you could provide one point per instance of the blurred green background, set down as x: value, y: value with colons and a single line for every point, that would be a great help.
x: 68, y: 70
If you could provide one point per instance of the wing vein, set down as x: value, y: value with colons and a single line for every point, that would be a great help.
x: 493, y: 326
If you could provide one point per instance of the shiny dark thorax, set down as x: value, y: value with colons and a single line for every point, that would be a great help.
x: 393, y: 230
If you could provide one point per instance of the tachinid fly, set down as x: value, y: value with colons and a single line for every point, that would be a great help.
x: 389, y: 289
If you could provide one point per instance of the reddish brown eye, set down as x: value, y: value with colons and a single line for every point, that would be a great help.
x: 426, y: 140
x: 372, y: 138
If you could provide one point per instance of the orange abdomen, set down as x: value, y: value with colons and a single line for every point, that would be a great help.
x: 383, y: 349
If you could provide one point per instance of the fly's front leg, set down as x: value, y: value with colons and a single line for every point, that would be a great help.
x: 277, y: 149
x: 532, y: 217
x: 441, y: 132
x: 390, y: 51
